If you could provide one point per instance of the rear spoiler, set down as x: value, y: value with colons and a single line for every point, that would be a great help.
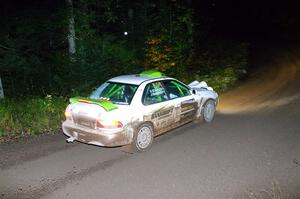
x: 106, y: 104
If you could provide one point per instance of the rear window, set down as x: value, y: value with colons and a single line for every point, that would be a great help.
x: 117, y: 93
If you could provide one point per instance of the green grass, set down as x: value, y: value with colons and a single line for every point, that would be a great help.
x: 30, y: 116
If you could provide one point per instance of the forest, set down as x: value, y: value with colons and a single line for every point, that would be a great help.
x: 52, y: 50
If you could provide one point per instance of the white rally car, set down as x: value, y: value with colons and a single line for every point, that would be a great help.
x: 133, y: 109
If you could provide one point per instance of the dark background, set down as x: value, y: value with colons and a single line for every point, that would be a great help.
x: 245, y: 20
x: 34, y: 48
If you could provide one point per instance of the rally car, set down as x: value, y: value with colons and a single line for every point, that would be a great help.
x: 133, y: 109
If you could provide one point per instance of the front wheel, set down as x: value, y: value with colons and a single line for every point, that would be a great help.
x: 208, y: 111
x: 143, y: 138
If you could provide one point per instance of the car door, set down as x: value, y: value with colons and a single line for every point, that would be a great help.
x: 184, y: 102
x: 157, y: 107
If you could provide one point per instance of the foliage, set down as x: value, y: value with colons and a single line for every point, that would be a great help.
x: 34, y: 58
x: 220, y: 80
x: 169, y: 49
x: 30, y: 116
x: 221, y: 64
x: 96, y: 61
x: 29, y: 39
x: 158, y: 55
x: 99, y: 56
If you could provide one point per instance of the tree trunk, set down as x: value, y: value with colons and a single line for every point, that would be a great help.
x: 1, y: 90
x: 71, y: 28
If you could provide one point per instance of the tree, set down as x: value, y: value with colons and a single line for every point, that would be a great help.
x: 1, y: 90
x: 71, y: 30
x: 169, y: 47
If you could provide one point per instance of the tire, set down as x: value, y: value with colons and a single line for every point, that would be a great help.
x: 143, y: 138
x: 208, y: 111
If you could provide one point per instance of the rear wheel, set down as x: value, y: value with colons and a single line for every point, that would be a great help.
x: 208, y: 111
x: 143, y: 138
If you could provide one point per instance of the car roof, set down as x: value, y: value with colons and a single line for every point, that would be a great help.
x: 136, y: 79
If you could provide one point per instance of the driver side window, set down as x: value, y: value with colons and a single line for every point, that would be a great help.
x: 176, y: 89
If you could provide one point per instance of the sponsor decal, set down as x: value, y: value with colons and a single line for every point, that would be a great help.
x: 162, y: 113
x: 157, y: 91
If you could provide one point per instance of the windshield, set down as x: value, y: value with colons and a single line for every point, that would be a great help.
x: 118, y: 93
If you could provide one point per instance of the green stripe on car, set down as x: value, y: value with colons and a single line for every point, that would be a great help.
x: 106, y: 104
x: 152, y: 73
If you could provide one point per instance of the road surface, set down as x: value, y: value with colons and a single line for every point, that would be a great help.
x: 253, y: 141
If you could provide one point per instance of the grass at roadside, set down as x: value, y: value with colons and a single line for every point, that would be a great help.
x: 30, y: 116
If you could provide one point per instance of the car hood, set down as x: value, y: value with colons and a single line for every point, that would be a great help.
x: 200, y: 85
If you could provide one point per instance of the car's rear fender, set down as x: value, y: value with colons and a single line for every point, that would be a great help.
x: 136, y: 124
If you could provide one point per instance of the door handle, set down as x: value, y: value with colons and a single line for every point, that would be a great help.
x: 188, y: 101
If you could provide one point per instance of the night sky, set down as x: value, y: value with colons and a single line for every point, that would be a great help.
x: 258, y: 20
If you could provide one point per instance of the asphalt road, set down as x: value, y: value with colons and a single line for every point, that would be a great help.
x: 253, y: 141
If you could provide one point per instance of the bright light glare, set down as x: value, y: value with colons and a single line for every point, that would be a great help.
x: 109, y: 123
x: 67, y: 114
x: 272, y: 87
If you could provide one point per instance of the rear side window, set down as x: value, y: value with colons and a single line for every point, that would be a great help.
x: 154, y: 93
x: 176, y: 89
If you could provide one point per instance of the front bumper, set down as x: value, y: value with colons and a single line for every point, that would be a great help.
x: 109, y: 138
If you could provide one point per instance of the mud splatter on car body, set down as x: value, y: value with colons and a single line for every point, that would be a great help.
x: 162, y: 102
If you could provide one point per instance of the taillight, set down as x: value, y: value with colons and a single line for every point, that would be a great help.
x: 68, y: 115
x: 109, y: 124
